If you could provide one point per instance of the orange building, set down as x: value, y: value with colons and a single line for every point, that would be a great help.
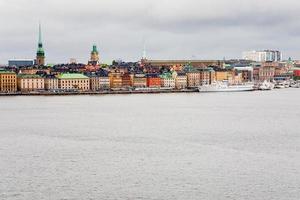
x: 115, y: 79
x: 153, y: 80
x: 8, y: 81
x: 221, y: 75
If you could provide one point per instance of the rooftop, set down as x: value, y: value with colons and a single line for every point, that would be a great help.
x: 28, y: 76
x: 72, y: 76
x: 6, y: 72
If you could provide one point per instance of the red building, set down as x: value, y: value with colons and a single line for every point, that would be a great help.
x: 297, y: 74
x: 153, y: 81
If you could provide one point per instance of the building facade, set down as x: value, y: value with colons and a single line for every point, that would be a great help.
x: 127, y: 80
x: 193, y: 79
x: 140, y: 81
x: 104, y: 83
x: 167, y: 80
x: 51, y: 83
x: 8, y: 81
x: 180, y: 81
x: 263, y: 56
x: 153, y: 81
x: 266, y: 73
x: 27, y: 82
x: 73, y: 82
x: 115, y: 78
x: 204, y: 77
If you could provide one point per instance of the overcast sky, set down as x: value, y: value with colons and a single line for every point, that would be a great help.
x: 172, y: 29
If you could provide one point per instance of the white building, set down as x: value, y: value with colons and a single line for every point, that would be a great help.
x: 263, y: 56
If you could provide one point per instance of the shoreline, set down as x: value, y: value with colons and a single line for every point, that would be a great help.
x: 111, y: 92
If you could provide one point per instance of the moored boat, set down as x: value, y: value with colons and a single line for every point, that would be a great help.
x: 225, y: 87
x: 266, y: 86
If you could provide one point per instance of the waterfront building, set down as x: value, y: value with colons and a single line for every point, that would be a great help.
x: 20, y: 62
x: 104, y: 83
x: 180, y: 80
x: 8, y: 81
x: 221, y: 75
x: 73, y: 81
x: 99, y: 80
x: 193, y: 78
x: 115, y: 79
x: 263, y: 56
x: 204, y: 76
x: 297, y: 74
x: 167, y: 80
x: 140, y: 81
x: 247, y: 73
x: 127, y: 80
x: 94, y: 82
x: 51, y: 83
x: 267, y: 71
x: 40, y: 54
x: 153, y: 80
x: 29, y: 82
x: 212, y: 75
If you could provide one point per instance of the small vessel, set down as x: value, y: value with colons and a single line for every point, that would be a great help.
x: 280, y: 85
x: 266, y: 86
x: 225, y: 87
x: 295, y: 84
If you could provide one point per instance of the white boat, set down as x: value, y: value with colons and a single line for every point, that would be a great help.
x: 280, y: 85
x: 295, y: 84
x: 225, y: 87
x: 266, y: 86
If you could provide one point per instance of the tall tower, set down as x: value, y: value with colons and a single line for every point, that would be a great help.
x: 40, y: 54
x: 95, y: 55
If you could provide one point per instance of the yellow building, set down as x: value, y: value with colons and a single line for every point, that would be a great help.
x: 27, y: 82
x: 221, y: 75
x: 8, y: 81
x: 73, y: 82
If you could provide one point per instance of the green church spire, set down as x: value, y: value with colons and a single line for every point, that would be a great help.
x: 40, y: 53
x: 40, y: 50
x: 95, y: 49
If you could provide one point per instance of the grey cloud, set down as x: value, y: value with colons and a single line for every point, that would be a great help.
x: 172, y: 29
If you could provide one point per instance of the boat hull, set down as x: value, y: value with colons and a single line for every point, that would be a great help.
x: 239, y: 88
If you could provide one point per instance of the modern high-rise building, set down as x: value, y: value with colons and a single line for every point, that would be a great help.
x: 263, y: 56
x: 40, y: 54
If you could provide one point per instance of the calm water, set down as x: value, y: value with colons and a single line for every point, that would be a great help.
x: 165, y: 146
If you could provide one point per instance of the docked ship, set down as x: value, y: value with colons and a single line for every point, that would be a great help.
x: 225, y: 87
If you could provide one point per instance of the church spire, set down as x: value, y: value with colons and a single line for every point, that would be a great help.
x: 40, y: 34
x: 40, y: 54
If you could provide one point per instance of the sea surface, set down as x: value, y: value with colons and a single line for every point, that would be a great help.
x: 208, y: 146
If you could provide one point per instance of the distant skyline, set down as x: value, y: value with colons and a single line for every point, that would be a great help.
x: 172, y: 29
